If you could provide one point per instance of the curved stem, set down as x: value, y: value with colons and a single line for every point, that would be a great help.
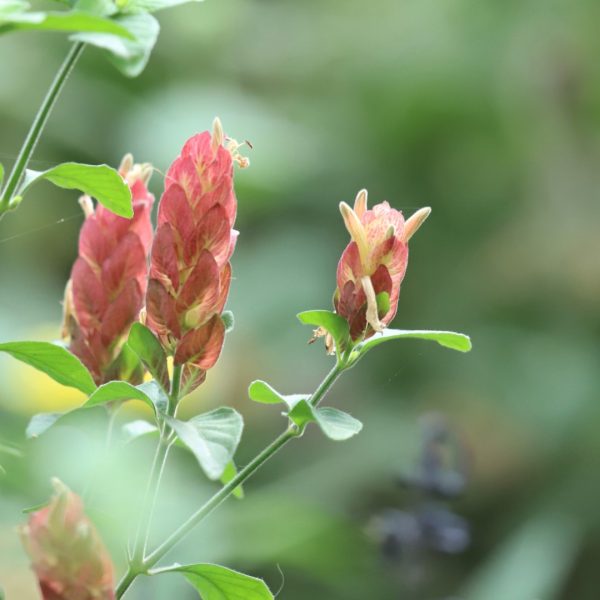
x: 290, y: 433
x: 35, y: 131
x: 156, y: 472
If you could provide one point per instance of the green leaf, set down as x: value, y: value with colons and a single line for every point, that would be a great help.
x: 261, y: 391
x: 55, y: 361
x: 72, y: 20
x: 1, y: 175
x: 335, y: 424
x: 99, y: 181
x: 228, y: 320
x: 8, y: 7
x: 149, y: 5
x: 149, y: 350
x: 130, y: 57
x: 35, y: 508
x: 148, y: 392
x: 213, y: 582
x: 102, y: 8
x: 136, y: 429
x: 229, y: 474
x: 212, y: 438
x: 337, y: 326
x: 41, y: 422
x: 449, y: 339
x: 114, y: 391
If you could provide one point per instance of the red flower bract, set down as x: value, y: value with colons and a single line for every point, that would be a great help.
x: 108, y: 281
x: 189, y: 270
x: 373, y: 264
x: 67, y: 554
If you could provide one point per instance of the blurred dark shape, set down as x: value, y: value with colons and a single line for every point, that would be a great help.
x: 410, y: 536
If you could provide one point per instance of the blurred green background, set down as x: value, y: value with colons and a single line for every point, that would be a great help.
x: 489, y: 112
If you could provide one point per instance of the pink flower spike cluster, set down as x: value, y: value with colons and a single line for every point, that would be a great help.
x: 106, y: 290
x: 190, y: 271
x: 66, y: 552
x: 373, y: 264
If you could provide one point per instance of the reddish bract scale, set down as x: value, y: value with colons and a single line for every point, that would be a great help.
x: 66, y: 552
x: 108, y: 281
x: 190, y: 272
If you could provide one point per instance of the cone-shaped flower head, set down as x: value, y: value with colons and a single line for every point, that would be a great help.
x: 373, y: 264
x: 189, y: 269
x: 66, y: 552
x: 108, y: 280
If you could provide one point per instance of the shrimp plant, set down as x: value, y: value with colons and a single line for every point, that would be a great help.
x: 144, y: 319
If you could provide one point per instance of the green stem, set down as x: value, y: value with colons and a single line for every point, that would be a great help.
x: 290, y: 433
x: 35, y: 131
x: 156, y: 472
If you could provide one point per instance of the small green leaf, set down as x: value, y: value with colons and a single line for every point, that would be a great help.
x: 149, y: 350
x: 449, y: 339
x: 212, y: 438
x: 62, y: 21
x: 1, y: 175
x: 55, y: 361
x: 130, y: 57
x: 149, y: 5
x: 229, y: 474
x: 337, y: 326
x: 112, y: 391
x: 335, y: 424
x: 99, y: 181
x: 302, y: 414
x: 8, y: 7
x: 213, y: 582
x: 101, y: 8
x: 228, y: 321
x: 136, y: 429
x: 261, y: 391
x: 41, y: 422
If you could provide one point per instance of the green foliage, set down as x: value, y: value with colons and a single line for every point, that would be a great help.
x: 149, y: 392
x: 135, y: 429
x: 335, y: 424
x: 337, y: 326
x: 261, y: 391
x: 55, y: 361
x: 212, y: 438
x: 213, y: 582
x: 1, y: 174
x: 228, y: 475
x: 99, y: 181
x: 149, y: 350
x: 448, y: 339
x: 149, y: 5
x: 12, y: 18
x: 228, y: 321
x: 42, y: 422
x: 130, y: 56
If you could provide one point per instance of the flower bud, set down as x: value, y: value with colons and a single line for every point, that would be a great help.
x: 66, y: 552
x: 189, y: 269
x: 373, y: 264
x: 108, y: 281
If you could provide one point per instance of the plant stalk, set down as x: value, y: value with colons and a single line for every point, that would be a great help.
x: 35, y: 131
x: 289, y: 434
